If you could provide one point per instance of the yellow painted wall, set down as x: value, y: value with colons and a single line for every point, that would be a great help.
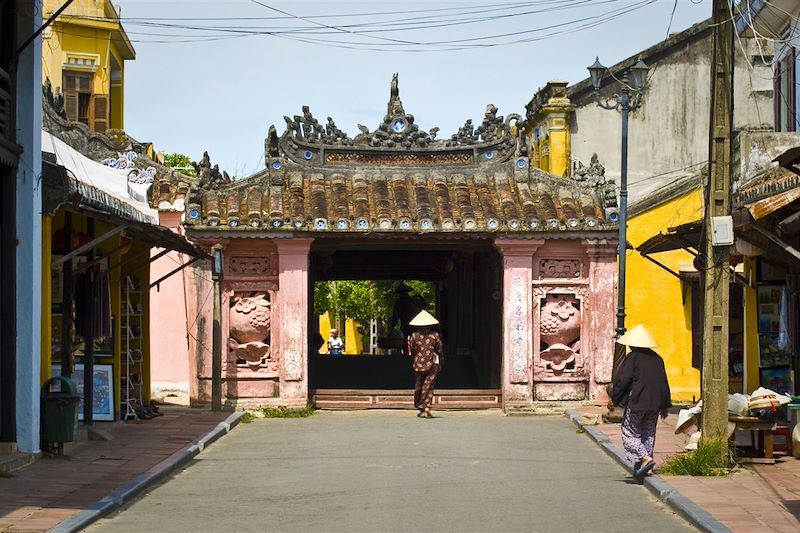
x: 50, y: 225
x: 92, y: 40
x: 751, y: 355
x: 353, y: 343
x: 654, y: 297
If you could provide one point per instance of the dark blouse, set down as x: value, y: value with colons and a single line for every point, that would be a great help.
x: 641, y: 382
x: 425, y: 347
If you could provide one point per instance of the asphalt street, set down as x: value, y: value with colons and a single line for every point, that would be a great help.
x: 389, y: 471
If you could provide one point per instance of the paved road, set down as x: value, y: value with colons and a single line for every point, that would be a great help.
x: 390, y: 471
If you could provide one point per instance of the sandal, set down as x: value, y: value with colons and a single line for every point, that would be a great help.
x: 642, y: 471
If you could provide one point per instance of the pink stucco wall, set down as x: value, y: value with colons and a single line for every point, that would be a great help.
x: 169, y: 348
x: 278, y: 269
x: 590, y: 281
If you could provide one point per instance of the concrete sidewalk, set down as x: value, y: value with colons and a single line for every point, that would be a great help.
x: 96, y: 477
x: 754, y: 498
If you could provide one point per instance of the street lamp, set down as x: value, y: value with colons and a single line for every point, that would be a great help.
x: 628, y: 99
x: 216, y: 335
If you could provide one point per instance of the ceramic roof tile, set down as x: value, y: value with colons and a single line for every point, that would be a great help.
x: 398, y: 178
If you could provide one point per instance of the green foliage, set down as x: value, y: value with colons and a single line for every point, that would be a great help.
x: 284, y: 412
x: 714, y: 458
x: 181, y: 163
x: 247, y: 417
x: 5, y: 474
x: 363, y: 300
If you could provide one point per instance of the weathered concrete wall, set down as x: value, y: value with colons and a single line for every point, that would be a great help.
x: 669, y: 132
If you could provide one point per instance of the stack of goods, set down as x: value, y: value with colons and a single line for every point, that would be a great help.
x: 764, y: 403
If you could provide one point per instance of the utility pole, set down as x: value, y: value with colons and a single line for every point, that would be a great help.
x: 715, y: 303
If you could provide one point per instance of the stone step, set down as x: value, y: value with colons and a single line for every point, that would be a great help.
x: 404, y: 399
x: 11, y: 462
x: 545, y: 408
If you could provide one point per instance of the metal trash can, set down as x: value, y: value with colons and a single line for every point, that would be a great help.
x: 59, y: 410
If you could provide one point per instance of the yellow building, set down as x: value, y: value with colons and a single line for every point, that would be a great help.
x: 83, y: 55
x: 548, y: 133
x: 665, y: 301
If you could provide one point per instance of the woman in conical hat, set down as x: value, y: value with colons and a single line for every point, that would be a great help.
x: 425, y: 346
x: 641, y: 386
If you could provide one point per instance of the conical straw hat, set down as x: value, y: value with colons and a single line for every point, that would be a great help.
x: 424, y: 318
x: 638, y: 337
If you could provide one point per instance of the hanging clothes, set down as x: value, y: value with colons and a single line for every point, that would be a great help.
x: 103, y: 305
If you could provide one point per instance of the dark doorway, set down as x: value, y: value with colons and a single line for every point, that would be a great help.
x: 467, y: 281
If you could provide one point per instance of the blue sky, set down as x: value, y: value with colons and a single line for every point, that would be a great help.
x: 222, y: 95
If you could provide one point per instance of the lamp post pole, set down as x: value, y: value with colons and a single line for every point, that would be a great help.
x: 629, y: 99
x: 625, y: 106
x: 216, y: 355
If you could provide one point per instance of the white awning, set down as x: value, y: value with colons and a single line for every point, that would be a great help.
x: 101, y: 178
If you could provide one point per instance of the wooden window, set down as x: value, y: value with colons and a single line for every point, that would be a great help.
x: 98, y: 110
x: 81, y: 105
x: 786, y: 118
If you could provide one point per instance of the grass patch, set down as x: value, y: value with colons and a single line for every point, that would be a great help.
x: 714, y: 458
x: 284, y: 412
x: 247, y: 417
x: 580, y: 430
x: 5, y: 474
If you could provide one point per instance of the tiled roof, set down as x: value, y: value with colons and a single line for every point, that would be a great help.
x: 397, y: 178
x: 491, y: 198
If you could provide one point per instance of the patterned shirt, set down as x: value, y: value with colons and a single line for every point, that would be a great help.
x: 426, y: 349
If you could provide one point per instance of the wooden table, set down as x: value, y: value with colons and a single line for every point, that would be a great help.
x: 764, y: 430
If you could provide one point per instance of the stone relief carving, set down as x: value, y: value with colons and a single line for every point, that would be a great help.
x: 250, y: 266
x: 306, y: 128
x: 56, y: 100
x: 127, y: 161
x: 250, y: 325
x: 517, y: 324
x: 560, y: 268
x: 293, y: 365
x: 560, y: 332
x: 398, y: 130
x: 594, y: 176
x: 209, y: 177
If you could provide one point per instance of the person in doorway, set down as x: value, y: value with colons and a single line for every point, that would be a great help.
x: 641, y: 387
x: 406, y: 307
x: 425, y: 346
x: 335, y: 343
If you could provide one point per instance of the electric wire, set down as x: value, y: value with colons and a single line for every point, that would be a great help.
x: 307, y: 35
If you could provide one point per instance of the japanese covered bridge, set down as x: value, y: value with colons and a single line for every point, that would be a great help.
x: 524, y: 263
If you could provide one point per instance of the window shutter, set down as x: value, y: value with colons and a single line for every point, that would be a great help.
x: 98, y: 110
x: 71, y: 106
x: 84, y: 84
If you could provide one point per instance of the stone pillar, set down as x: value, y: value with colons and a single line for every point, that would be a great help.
x: 291, y: 320
x: 517, y: 372
x: 603, y: 293
x: 28, y: 229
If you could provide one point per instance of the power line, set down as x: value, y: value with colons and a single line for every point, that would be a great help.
x: 434, y: 18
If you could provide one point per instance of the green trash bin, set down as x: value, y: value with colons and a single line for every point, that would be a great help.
x: 59, y: 410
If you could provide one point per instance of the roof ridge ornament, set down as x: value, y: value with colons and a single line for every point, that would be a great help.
x: 306, y: 141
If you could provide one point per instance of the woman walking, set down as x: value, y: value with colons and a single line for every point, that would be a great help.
x: 425, y: 346
x: 641, y: 387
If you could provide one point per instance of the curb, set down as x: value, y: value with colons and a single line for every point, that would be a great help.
x: 655, y: 483
x: 128, y: 491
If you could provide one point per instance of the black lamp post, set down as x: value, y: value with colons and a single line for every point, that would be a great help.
x: 628, y: 99
x: 216, y: 355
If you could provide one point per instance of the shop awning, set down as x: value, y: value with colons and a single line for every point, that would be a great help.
x: 686, y: 237
x: 101, y: 186
x: 100, y: 192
